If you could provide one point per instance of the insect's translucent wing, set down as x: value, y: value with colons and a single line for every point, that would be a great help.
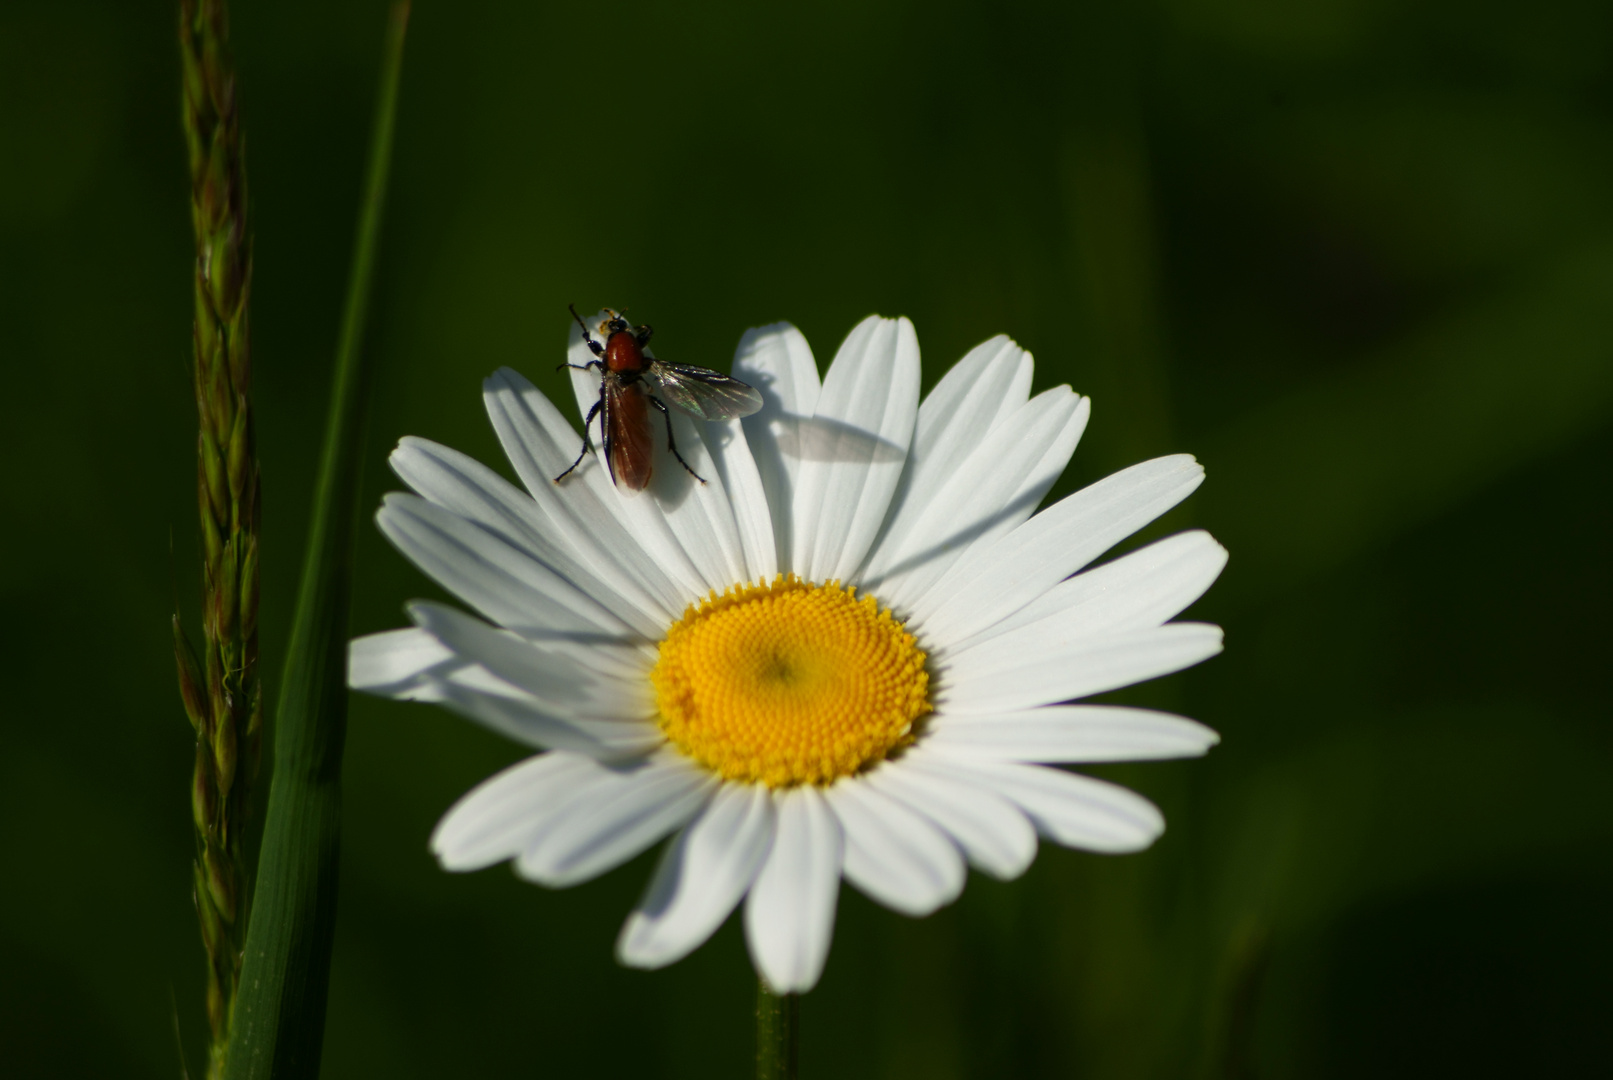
x: 701, y: 392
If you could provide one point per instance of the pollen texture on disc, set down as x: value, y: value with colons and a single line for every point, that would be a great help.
x: 789, y: 683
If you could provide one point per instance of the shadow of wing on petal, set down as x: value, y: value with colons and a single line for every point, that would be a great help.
x: 817, y: 438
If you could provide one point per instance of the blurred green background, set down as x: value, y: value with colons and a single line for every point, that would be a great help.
x: 1356, y: 255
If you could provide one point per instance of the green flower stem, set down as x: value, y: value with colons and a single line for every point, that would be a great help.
x: 278, y: 1024
x: 777, y: 1023
x: 221, y: 692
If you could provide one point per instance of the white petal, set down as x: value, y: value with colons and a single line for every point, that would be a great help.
x: 503, y: 582
x: 414, y: 665
x: 991, y: 832
x: 995, y: 580
x: 855, y: 448
x: 468, y: 488
x: 1076, y: 811
x: 991, y: 381
x: 686, y: 524
x: 789, y: 915
x: 701, y: 877
x: 987, y: 494
x: 617, y: 817
x: 596, y: 680
x: 730, y: 453
x: 1046, y: 671
x: 894, y: 854
x: 1069, y: 733
x: 702, y: 515
x: 1136, y: 591
x: 505, y: 814
x: 503, y: 708
x: 403, y: 664
x: 777, y: 362
x: 540, y: 444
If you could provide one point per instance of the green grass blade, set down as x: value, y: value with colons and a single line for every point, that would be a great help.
x: 279, y: 1016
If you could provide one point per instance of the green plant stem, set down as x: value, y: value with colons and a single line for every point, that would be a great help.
x: 279, y: 1018
x: 777, y: 1023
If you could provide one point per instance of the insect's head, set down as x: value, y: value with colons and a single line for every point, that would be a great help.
x: 607, y: 328
x: 615, y: 324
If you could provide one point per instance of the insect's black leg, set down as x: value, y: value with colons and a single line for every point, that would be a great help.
x: 589, y: 419
x: 643, y: 334
x: 670, y: 443
x: 596, y: 347
x: 606, y: 426
x: 591, y: 365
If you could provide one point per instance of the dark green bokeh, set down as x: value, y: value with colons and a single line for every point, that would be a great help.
x: 1357, y: 256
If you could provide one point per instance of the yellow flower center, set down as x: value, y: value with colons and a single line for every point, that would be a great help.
x: 789, y: 683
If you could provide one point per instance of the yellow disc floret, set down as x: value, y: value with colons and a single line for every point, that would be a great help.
x: 789, y: 683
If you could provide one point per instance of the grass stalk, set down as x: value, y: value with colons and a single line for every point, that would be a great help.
x: 221, y: 691
x: 278, y: 1020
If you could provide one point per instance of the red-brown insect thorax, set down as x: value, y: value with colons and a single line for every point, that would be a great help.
x: 623, y: 352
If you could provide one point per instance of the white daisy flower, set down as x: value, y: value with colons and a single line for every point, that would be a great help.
x: 844, y: 655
